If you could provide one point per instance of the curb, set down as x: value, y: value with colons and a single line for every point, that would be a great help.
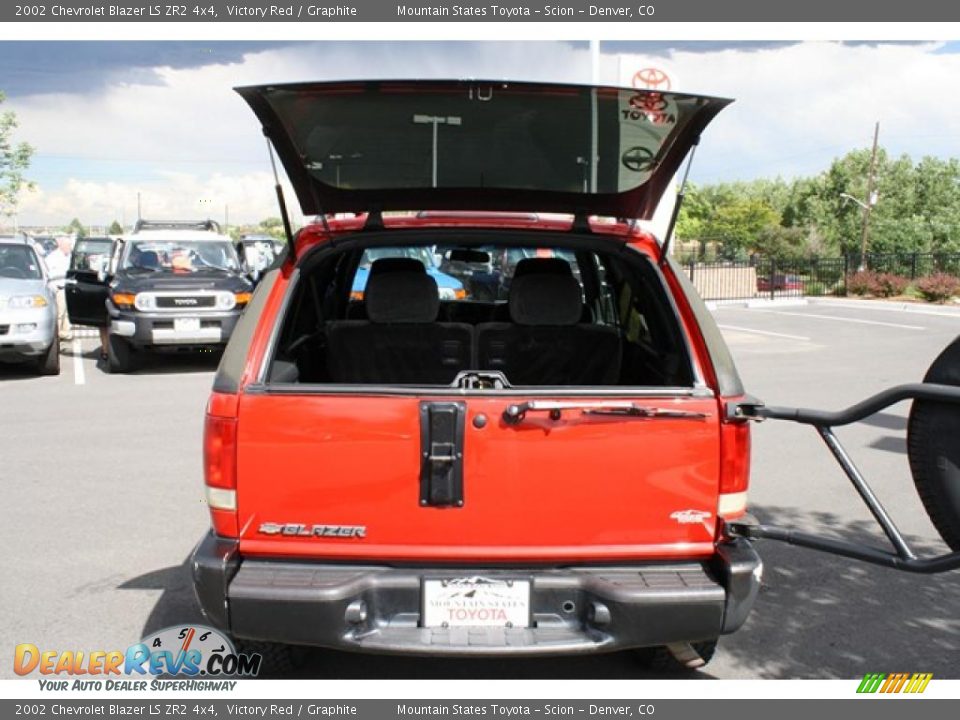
x: 890, y: 305
x: 757, y: 303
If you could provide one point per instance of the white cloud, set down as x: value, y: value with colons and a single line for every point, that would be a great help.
x: 238, y: 198
x: 797, y: 107
x: 191, y: 137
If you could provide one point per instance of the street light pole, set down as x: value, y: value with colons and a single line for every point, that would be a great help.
x: 865, y: 229
x: 436, y: 120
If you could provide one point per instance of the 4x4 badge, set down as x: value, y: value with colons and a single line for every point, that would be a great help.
x: 327, y: 531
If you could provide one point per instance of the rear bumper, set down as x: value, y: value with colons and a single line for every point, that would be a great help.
x: 578, y: 609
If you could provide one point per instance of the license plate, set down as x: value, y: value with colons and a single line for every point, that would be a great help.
x: 186, y: 324
x: 476, y: 602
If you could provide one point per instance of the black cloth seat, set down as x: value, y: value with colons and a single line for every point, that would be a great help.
x: 400, y: 342
x: 540, y: 266
x: 545, y: 344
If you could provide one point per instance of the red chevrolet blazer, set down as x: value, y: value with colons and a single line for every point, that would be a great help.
x: 546, y: 467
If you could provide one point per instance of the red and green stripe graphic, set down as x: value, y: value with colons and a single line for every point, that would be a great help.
x: 894, y: 682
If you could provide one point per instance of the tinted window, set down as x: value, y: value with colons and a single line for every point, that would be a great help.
x: 511, y: 136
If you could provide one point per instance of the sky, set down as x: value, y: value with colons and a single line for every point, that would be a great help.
x: 110, y: 120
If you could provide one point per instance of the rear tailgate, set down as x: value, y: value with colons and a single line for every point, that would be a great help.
x: 581, y: 487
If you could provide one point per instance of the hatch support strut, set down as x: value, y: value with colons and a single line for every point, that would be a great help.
x: 681, y: 194
x: 824, y: 421
x: 284, y: 216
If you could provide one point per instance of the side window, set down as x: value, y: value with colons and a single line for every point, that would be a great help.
x: 605, y: 307
x: 635, y: 327
x: 91, y: 256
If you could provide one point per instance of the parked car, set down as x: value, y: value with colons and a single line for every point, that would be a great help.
x: 448, y: 287
x: 474, y: 269
x: 28, y: 308
x: 168, y: 286
x: 780, y: 283
x: 259, y: 253
x: 46, y: 244
x: 565, y: 472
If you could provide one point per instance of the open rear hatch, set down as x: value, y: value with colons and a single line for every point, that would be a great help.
x: 474, y: 145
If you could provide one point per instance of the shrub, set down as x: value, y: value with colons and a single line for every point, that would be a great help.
x: 816, y: 288
x: 868, y: 282
x: 861, y: 282
x: 888, y: 285
x: 938, y: 287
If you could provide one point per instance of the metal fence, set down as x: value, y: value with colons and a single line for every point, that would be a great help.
x: 762, y: 277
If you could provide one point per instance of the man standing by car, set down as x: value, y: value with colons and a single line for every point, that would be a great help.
x: 58, y: 262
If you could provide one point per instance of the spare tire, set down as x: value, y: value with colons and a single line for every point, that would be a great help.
x: 933, y: 446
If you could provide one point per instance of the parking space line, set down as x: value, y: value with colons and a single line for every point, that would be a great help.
x: 842, y: 319
x: 79, y: 377
x: 764, y: 332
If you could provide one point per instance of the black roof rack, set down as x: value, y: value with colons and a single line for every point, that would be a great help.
x: 207, y: 225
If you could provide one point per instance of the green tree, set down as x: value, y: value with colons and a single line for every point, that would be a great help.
x: 918, y: 210
x: 115, y: 228
x: 937, y: 202
x: 76, y: 228
x: 14, y: 161
x: 272, y: 226
x: 738, y: 225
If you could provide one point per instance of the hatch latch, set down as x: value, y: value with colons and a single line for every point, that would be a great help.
x: 441, y: 453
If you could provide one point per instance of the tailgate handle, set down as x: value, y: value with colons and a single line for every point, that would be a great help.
x: 441, y: 453
x: 515, y: 413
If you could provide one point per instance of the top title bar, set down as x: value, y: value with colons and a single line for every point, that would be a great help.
x: 481, y: 11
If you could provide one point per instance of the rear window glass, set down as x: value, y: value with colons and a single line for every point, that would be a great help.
x: 481, y: 274
x: 523, y: 315
x: 576, y: 139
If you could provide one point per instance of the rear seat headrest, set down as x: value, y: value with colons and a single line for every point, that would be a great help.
x: 401, y: 297
x: 540, y: 299
x: 542, y: 266
x: 396, y: 264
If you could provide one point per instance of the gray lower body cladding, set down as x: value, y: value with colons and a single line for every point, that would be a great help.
x: 377, y: 609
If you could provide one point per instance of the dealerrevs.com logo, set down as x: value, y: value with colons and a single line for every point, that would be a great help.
x: 181, y: 651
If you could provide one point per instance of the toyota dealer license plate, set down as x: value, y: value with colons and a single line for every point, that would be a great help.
x: 476, y: 601
x: 186, y: 324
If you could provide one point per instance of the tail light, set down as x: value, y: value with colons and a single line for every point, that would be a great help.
x: 220, y: 473
x: 734, y: 469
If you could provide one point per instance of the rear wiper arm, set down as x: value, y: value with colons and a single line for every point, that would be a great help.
x: 515, y: 413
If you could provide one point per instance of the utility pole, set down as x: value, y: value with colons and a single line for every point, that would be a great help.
x: 865, y: 230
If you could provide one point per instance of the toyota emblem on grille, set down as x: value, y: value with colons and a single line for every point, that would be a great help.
x: 185, y: 301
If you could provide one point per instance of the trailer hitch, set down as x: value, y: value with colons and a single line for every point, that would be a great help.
x: 902, y: 557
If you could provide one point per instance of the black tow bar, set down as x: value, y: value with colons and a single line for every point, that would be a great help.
x: 902, y: 558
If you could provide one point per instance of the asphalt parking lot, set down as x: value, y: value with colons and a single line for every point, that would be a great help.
x: 103, y: 504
